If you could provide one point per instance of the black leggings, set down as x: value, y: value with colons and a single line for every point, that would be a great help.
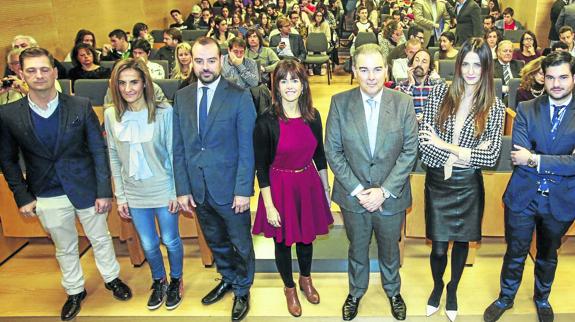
x: 438, y: 261
x: 283, y: 261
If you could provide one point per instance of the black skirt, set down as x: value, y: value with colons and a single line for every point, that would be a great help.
x: 454, y: 207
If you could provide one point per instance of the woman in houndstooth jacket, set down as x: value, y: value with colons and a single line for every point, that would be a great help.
x: 460, y: 133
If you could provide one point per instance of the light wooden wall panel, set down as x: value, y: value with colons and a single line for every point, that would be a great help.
x: 54, y: 23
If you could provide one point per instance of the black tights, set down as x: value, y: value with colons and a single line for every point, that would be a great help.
x: 438, y: 261
x: 283, y: 261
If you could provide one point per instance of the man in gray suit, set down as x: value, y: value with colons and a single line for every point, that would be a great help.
x: 371, y: 147
x: 214, y: 169
x: 469, y: 24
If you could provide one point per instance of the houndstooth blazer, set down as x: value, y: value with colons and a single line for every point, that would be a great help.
x: 483, y: 154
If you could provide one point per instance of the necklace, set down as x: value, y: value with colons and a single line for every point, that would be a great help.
x: 537, y: 93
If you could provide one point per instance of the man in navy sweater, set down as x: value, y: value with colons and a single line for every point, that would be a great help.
x: 67, y: 174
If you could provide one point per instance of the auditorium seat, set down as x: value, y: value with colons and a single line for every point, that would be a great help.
x: 169, y: 87
x: 94, y: 89
x: 513, y: 35
x: 165, y: 64
x: 158, y: 36
x: 66, y: 86
x: 108, y: 64
x: 192, y: 35
x: 446, y: 69
x: 513, y: 86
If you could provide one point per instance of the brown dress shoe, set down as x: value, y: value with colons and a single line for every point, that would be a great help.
x: 307, y: 287
x: 293, y: 305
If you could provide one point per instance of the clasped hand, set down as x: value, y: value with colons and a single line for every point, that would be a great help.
x: 371, y: 199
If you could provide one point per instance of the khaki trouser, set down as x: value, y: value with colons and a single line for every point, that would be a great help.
x: 57, y: 215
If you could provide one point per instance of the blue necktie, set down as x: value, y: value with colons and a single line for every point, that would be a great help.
x: 558, y: 112
x: 203, y: 117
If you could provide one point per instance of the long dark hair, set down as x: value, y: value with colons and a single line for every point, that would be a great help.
x: 484, y: 95
x: 530, y: 33
x: 449, y: 36
x: 295, y: 70
x: 80, y: 36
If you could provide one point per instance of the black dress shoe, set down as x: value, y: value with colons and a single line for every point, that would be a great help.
x: 72, y: 306
x: 350, y: 306
x: 119, y: 289
x: 241, y: 307
x: 398, y: 308
x: 494, y: 311
x: 545, y: 313
x: 217, y: 293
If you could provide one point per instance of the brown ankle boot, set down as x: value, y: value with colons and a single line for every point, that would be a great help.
x: 307, y: 287
x: 293, y: 305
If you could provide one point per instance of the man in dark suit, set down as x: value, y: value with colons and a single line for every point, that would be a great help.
x: 469, y: 24
x: 214, y: 169
x: 539, y: 196
x: 505, y: 67
x: 554, y: 16
x: 67, y: 173
x: 288, y: 44
x: 371, y: 146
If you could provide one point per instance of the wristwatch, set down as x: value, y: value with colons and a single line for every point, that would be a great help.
x: 386, y: 193
x: 531, y: 161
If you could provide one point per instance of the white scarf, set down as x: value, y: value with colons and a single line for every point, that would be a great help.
x: 135, y: 130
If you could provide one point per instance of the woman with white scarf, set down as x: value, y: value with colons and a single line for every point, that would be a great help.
x: 139, y: 137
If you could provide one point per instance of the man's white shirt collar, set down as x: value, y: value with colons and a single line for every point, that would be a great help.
x: 45, y: 113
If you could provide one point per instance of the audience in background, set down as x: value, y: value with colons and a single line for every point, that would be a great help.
x: 288, y: 45
x: 532, y: 81
x: 264, y: 56
x: 447, y: 50
x: 488, y: 23
x: 528, y: 50
x: 183, y: 65
x: 13, y: 87
x: 86, y: 37
x: 141, y: 49
x: 220, y: 31
x: 86, y: 64
x: 508, y: 23
x: 566, y: 36
x: 505, y: 66
x: 400, y: 66
x: 172, y: 37
x: 399, y: 51
x: 119, y: 47
x: 206, y: 21
x: 140, y: 31
x: 237, y: 68
x: 493, y: 37
x: 391, y: 37
x: 193, y: 20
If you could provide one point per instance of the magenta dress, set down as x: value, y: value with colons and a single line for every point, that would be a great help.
x: 296, y: 189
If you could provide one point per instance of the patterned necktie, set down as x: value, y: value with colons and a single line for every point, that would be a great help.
x: 203, y: 117
x: 506, y: 74
x: 372, y: 124
x: 558, y: 111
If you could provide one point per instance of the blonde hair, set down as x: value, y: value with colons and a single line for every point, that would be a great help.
x: 528, y: 72
x: 120, y: 104
x: 177, y: 73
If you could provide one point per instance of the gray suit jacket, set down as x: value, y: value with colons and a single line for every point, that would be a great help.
x: 348, y: 154
x: 423, y: 17
x: 469, y: 22
x: 223, y: 161
x: 566, y: 17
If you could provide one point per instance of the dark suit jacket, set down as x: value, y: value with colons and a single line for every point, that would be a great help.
x: 531, y: 130
x: 469, y: 22
x: 554, y: 17
x: 222, y: 161
x: 515, y: 65
x: 80, y: 158
x: 295, y: 42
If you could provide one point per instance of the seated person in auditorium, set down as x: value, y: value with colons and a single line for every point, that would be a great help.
x: 140, y: 31
x: 141, y: 49
x: 220, y: 32
x: 320, y: 25
x: 307, y: 7
x: 505, y: 66
x: 266, y: 58
x: 183, y: 65
x: 496, y: 14
x: 172, y: 37
x: 566, y: 36
x: 493, y: 37
x: 421, y: 77
x: 193, y: 20
x: 297, y: 26
x: 87, y: 37
x: 13, y: 88
x: 85, y: 60
x: 238, y: 26
x: 300, y: 24
x: 447, y: 50
x: 206, y: 22
x: 527, y: 50
x: 488, y: 23
x: 286, y: 44
x: 532, y: 81
x: 179, y: 22
x: 391, y: 37
x: 237, y: 68
x: 23, y: 42
x: 119, y: 47
x: 221, y: 4
x: 400, y: 65
x: 399, y: 51
x: 272, y: 13
x: 205, y: 4
x: 362, y: 24
x: 226, y: 15
x: 508, y: 23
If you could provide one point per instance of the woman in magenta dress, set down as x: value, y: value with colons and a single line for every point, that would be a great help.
x: 293, y: 206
